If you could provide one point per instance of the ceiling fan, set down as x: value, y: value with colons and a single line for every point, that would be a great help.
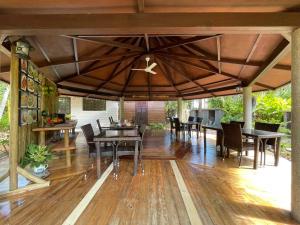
x: 148, y: 69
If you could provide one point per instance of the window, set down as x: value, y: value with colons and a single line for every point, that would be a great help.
x: 64, y: 105
x: 90, y: 104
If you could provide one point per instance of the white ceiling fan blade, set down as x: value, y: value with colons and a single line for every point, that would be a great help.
x: 151, y: 66
x: 152, y: 72
x: 139, y: 69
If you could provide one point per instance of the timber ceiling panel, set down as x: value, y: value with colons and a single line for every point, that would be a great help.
x: 187, y: 65
x: 127, y: 6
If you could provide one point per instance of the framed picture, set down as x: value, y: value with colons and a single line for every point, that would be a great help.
x: 23, y: 63
x: 23, y: 83
x: 30, y: 85
x: 24, y: 99
x: 32, y: 115
x: 23, y: 117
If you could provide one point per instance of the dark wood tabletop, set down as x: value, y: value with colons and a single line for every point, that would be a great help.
x: 118, y: 135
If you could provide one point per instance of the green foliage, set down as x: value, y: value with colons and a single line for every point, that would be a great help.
x: 4, y: 141
x: 271, y: 106
x: 36, y: 155
x: 171, y: 108
x: 231, y: 105
x: 4, y: 122
x: 157, y: 126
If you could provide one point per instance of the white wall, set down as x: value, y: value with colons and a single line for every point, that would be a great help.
x: 85, y: 117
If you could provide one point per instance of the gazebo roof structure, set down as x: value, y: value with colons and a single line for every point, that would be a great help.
x: 191, y: 63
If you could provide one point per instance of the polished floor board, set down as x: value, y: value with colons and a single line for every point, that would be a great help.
x: 222, y: 192
x: 152, y: 198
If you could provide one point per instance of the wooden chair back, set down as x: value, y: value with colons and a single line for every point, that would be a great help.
x: 272, y: 127
x: 232, y: 134
x: 191, y: 119
x: 176, y: 124
x: 142, y: 130
x: 199, y: 119
x: 111, y: 120
x: 242, y: 123
x: 172, y: 125
x: 99, y: 125
x: 88, y: 133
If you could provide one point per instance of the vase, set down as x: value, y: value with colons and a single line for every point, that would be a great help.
x: 40, y: 168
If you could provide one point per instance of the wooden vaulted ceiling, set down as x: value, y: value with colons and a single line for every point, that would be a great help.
x: 189, y: 64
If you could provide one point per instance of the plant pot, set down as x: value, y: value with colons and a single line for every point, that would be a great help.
x: 40, y: 169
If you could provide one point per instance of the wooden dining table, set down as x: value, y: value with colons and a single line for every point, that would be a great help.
x: 257, y: 135
x: 115, y: 137
x: 188, y: 126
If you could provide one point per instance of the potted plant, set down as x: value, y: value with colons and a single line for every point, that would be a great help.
x: 37, y: 157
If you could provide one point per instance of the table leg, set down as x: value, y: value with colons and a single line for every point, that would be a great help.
x: 66, y: 144
x: 136, y: 152
x: 204, y: 133
x: 98, y: 159
x: 277, y: 151
x: 42, y: 138
x: 256, y: 152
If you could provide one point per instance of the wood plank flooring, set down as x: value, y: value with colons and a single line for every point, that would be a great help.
x: 221, y: 192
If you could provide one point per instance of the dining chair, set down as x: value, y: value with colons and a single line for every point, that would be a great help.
x: 242, y: 123
x: 191, y: 119
x: 172, y: 125
x: 99, y: 125
x: 233, y: 139
x: 128, y: 148
x: 271, y: 142
x: 178, y: 126
x: 197, y: 127
x: 111, y: 120
x: 88, y: 133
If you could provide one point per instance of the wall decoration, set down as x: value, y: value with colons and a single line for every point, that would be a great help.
x: 29, y: 93
x: 89, y: 104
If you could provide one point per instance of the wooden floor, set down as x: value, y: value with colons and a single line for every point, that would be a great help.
x: 221, y: 192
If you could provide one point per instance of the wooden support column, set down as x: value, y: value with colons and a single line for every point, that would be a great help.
x: 121, y: 109
x: 14, y: 126
x: 180, y: 108
x: 247, y: 106
x: 296, y: 125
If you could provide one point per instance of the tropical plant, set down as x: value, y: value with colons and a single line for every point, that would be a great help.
x: 36, y: 155
x: 171, y: 108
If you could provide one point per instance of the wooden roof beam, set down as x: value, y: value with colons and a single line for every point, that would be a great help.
x: 130, y: 76
x: 116, y: 73
x: 184, y: 75
x: 140, y: 6
x: 147, y: 42
x: 94, y: 69
x: 255, y: 44
x: 281, y: 51
x: 167, y: 23
x: 75, y: 55
x: 184, y: 42
x: 167, y: 73
x: 44, y: 53
x: 219, y: 54
x: 85, y: 59
x: 106, y: 42
x: 212, y: 59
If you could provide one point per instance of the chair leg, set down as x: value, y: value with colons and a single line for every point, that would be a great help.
x: 240, y: 161
x: 228, y: 152
x: 141, y: 159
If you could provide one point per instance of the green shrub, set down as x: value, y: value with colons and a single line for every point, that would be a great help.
x: 4, y: 122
